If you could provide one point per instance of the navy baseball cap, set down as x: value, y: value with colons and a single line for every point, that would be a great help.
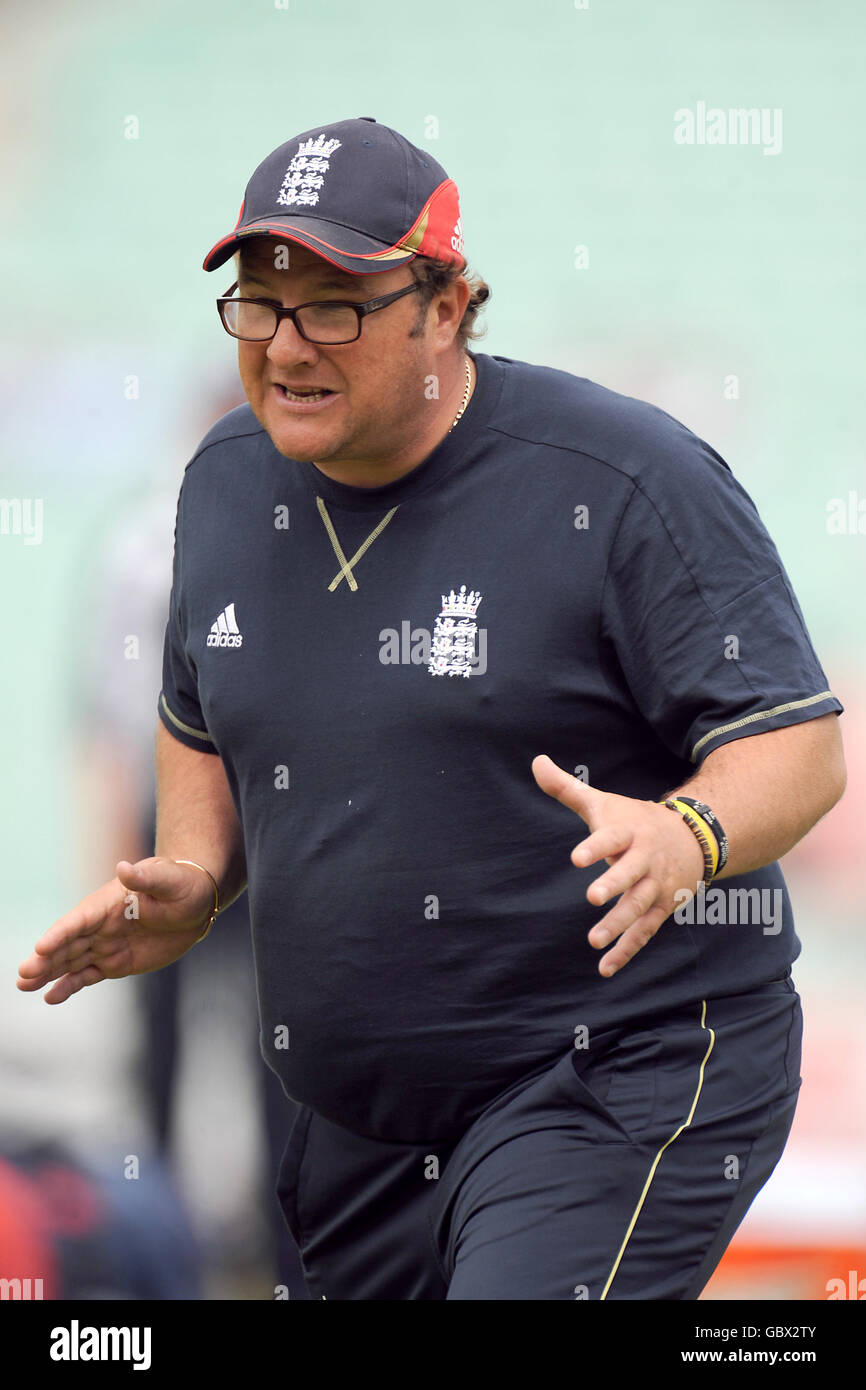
x: 355, y: 192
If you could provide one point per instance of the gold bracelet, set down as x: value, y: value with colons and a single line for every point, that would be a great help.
x: 216, y: 905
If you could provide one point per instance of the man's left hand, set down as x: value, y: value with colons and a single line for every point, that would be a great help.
x: 651, y: 851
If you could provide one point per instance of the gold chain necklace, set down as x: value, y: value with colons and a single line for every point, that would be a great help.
x: 465, y: 393
x: 465, y: 397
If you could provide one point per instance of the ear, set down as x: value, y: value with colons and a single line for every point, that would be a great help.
x: 449, y: 306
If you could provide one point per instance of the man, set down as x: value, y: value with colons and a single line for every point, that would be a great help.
x: 406, y: 578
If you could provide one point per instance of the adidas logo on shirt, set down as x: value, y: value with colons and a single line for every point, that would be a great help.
x: 225, y: 631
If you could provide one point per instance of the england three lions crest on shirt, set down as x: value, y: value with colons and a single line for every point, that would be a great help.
x: 453, y: 648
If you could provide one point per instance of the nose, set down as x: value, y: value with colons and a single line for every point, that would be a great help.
x: 288, y: 347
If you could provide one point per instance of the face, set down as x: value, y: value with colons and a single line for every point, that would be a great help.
x: 377, y: 412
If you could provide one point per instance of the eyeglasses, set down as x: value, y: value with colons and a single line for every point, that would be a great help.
x: 319, y: 321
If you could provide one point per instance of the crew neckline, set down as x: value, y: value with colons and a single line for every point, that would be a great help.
x: 448, y: 452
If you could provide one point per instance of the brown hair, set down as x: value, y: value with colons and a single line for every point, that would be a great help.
x: 436, y: 276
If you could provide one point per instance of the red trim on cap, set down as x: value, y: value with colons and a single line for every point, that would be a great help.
x: 302, y: 231
x: 440, y: 218
x: 283, y: 232
x: 223, y: 241
x: 280, y: 233
x: 443, y: 229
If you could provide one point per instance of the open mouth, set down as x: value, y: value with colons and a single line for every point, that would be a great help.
x: 317, y: 394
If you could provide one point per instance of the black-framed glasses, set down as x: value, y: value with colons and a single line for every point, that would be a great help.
x: 329, y: 321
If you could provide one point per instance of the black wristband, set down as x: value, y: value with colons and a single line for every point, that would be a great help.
x: 713, y: 822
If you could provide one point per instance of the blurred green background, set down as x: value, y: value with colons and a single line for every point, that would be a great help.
x: 557, y: 125
x: 705, y: 262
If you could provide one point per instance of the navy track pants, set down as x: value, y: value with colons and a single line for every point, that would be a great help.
x: 620, y: 1172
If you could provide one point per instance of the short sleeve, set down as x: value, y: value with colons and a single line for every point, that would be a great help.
x: 696, y: 602
x: 179, y: 707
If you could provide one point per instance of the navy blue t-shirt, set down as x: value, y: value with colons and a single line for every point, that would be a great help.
x: 571, y: 572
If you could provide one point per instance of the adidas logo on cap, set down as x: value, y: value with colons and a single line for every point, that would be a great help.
x: 225, y: 631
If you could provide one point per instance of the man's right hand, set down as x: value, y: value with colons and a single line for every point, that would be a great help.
x: 145, y: 918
